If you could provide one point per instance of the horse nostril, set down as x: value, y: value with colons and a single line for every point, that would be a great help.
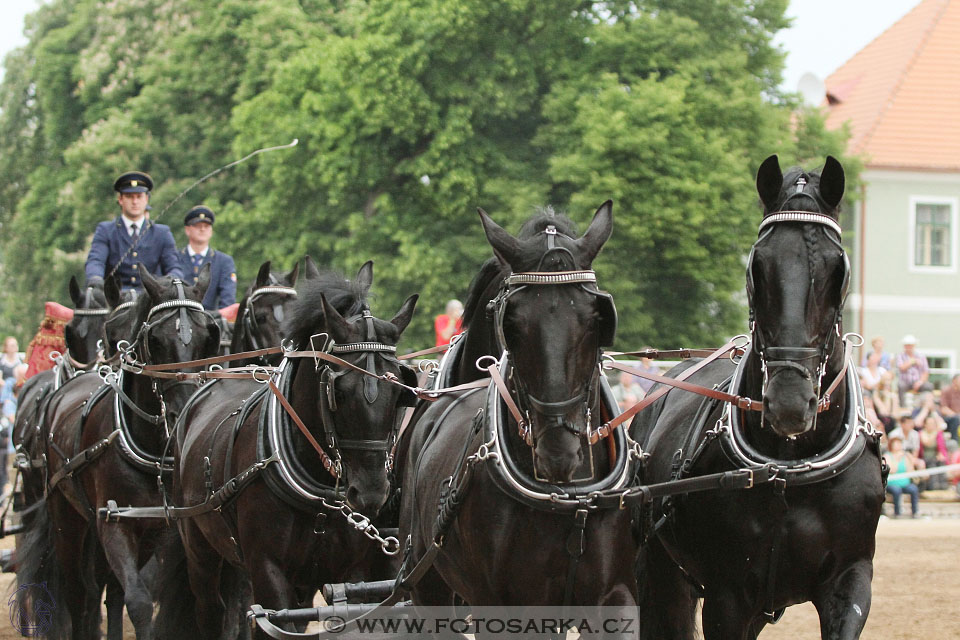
x: 812, y: 405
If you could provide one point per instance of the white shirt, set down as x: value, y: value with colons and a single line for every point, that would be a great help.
x: 191, y: 252
x: 130, y: 223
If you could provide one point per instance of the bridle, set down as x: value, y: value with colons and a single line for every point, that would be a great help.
x: 82, y: 330
x: 105, y: 342
x: 554, y: 412
x: 250, y: 325
x: 178, y: 310
x: 371, y: 349
x: 774, y: 360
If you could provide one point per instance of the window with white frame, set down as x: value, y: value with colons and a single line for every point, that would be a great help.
x: 933, y: 234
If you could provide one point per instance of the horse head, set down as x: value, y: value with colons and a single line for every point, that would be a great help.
x: 358, y: 413
x: 797, y: 278
x: 83, y: 332
x: 171, y: 323
x: 263, y: 309
x: 120, y: 323
x: 552, y: 321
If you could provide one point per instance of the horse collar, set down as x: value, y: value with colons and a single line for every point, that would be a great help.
x: 843, y: 453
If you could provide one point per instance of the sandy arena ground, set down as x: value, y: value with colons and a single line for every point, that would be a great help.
x: 916, y: 585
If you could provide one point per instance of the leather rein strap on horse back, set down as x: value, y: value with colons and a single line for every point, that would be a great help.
x: 605, y: 430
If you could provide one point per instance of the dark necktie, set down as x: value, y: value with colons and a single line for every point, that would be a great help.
x: 135, y: 234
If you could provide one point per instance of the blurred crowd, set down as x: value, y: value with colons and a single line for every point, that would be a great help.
x: 12, y: 372
x: 919, y: 423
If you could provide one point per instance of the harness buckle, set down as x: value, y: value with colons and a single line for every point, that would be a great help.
x: 749, y: 479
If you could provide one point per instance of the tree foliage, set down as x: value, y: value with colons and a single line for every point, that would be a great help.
x: 410, y: 114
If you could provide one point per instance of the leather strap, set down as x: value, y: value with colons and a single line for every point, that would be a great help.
x: 606, y: 429
x: 332, y: 468
x: 526, y: 433
x: 824, y: 403
x: 747, y: 404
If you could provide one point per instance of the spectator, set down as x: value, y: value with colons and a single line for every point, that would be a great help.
x: 950, y: 405
x: 647, y: 366
x: 886, y: 403
x: 913, y: 369
x: 910, y: 437
x: 8, y: 402
x: 953, y: 457
x: 901, y: 461
x: 871, y: 374
x: 886, y: 360
x: 9, y: 359
x: 933, y: 448
x: 446, y: 325
x: 627, y: 391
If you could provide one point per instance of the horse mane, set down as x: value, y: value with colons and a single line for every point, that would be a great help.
x: 344, y: 295
x: 492, y: 272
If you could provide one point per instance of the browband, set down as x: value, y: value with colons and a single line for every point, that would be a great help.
x: 551, y: 277
x: 91, y: 312
x: 800, y: 216
x: 173, y: 304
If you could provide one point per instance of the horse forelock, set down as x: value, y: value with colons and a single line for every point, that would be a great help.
x: 544, y: 217
x: 306, y: 318
x: 789, y: 189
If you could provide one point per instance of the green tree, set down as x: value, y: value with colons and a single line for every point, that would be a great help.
x: 410, y: 114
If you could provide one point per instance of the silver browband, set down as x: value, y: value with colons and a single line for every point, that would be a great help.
x: 173, y: 304
x: 124, y: 305
x: 355, y: 347
x: 91, y: 312
x: 551, y: 277
x: 290, y: 291
x: 800, y: 216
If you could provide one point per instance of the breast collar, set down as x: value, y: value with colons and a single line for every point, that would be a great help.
x: 512, y: 481
x: 836, y: 459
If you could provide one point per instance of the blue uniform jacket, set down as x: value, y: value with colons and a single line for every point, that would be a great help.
x: 156, y: 250
x: 223, y: 277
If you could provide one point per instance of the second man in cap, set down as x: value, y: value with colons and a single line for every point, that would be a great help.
x: 198, y: 227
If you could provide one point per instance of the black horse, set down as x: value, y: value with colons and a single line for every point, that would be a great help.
x: 120, y: 428
x: 262, y: 311
x: 285, y: 526
x: 808, y: 535
x: 514, y: 500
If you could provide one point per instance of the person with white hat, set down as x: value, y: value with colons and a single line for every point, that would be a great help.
x: 913, y: 369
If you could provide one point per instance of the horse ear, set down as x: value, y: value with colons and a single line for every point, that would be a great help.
x: 597, y: 233
x: 333, y: 322
x: 263, y: 276
x: 310, y: 269
x: 505, y: 246
x: 154, y: 288
x: 365, y: 277
x: 832, y: 182
x: 75, y: 292
x: 111, y: 291
x: 770, y: 182
x: 404, y: 315
x: 291, y: 277
x: 203, y: 281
